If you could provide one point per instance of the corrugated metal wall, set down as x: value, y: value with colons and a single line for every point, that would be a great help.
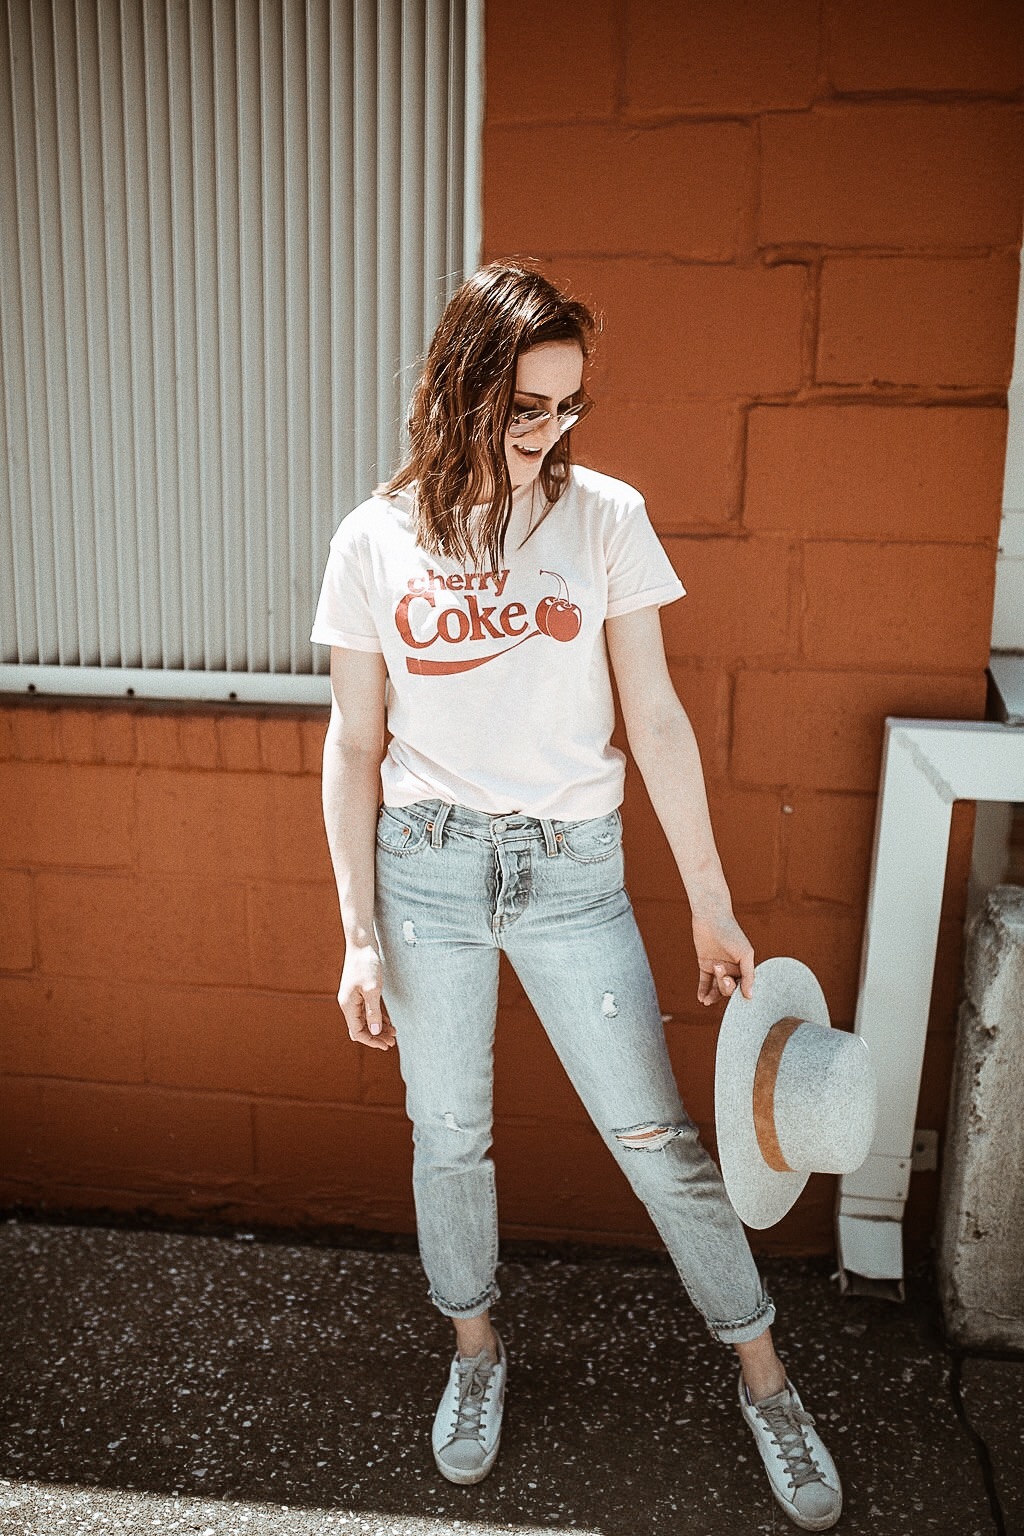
x: 227, y: 229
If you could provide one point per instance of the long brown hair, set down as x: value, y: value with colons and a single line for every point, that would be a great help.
x: 462, y: 404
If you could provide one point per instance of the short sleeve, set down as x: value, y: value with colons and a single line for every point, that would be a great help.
x: 343, y: 614
x: 640, y: 574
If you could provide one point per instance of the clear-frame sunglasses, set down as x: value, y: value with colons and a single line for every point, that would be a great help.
x: 523, y: 422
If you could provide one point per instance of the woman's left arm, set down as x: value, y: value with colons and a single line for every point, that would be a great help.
x: 665, y: 750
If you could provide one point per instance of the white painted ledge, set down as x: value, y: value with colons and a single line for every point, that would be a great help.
x: 153, y: 683
x: 926, y: 766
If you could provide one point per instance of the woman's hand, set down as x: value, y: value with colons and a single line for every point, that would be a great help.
x: 723, y: 953
x: 360, y: 1001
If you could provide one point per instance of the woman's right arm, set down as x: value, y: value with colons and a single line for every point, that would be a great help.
x: 353, y: 751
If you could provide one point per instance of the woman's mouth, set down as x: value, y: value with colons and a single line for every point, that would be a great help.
x: 528, y: 453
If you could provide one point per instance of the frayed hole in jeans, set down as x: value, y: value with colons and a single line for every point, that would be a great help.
x: 647, y: 1138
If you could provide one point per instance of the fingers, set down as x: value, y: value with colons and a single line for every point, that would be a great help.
x: 747, y: 973
x: 722, y: 978
x: 380, y: 1042
x: 367, y: 1022
x: 714, y: 983
x: 373, y: 1012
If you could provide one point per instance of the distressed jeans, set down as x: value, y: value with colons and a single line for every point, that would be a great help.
x: 455, y: 887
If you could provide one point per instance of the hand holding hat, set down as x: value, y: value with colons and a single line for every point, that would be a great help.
x: 793, y: 1096
x: 725, y: 957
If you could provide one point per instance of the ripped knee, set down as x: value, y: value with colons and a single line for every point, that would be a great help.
x: 648, y: 1137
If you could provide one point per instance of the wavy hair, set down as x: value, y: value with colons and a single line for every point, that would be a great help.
x: 462, y: 405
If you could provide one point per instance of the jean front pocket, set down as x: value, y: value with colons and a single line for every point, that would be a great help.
x: 399, y: 833
x: 592, y: 841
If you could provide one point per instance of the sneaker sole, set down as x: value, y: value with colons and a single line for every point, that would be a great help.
x: 800, y: 1520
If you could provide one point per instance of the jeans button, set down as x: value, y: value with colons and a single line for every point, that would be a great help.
x: 499, y: 825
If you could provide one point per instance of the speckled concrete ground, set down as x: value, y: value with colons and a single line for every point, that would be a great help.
x: 163, y: 1382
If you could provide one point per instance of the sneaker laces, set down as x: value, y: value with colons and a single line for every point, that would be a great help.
x: 786, y: 1423
x: 474, y: 1379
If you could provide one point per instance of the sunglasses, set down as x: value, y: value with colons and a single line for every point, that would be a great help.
x: 526, y: 421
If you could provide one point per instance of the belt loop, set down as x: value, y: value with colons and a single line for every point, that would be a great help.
x: 438, y: 824
x: 550, y: 842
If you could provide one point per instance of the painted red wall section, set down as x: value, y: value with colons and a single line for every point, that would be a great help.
x: 800, y: 224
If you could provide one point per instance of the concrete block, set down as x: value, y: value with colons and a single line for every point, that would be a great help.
x: 981, y: 1238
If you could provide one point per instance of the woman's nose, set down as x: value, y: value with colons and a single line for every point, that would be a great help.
x: 546, y: 433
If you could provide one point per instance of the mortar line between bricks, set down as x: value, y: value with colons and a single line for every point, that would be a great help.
x: 823, y: 60
x: 811, y: 328
x: 771, y: 253
x: 636, y: 119
x: 254, y: 1140
x: 745, y: 409
x: 943, y: 98
x: 620, y: 89
x: 981, y: 1450
x: 165, y: 983
x: 830, y: 98
x: 796, y: 573
x: 748, y: 222
x: 806, y: 250
x: 890, y: 396
x: 245, y: 1096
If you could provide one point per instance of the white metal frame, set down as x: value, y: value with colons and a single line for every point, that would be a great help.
x: 1007, y: 673
x: 926, y: 766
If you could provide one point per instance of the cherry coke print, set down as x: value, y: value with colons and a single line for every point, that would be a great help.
x: 424, y: 617
x: 557, y: 616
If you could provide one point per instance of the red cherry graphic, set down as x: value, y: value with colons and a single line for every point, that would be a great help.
x: 556, y: 616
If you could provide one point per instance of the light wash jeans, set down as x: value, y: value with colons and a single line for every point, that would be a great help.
x: 456, y: 886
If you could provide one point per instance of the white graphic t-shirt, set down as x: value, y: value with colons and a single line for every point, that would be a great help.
x: 499, y: 693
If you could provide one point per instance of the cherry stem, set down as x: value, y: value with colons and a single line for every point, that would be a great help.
x: 563, y: 589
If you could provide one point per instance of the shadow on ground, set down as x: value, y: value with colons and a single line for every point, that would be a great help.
x: 160, y: 1381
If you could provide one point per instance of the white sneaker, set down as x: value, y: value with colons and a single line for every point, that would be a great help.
x: 467, y: 1425
x: 801, y: 1472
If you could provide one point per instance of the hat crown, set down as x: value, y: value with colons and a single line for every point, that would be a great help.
x: 824, y: 1100
x: 793, y: 1096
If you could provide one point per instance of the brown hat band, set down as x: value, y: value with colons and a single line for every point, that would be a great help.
x: 765, y: 1075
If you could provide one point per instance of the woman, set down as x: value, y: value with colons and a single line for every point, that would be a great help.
x: 472, y: 606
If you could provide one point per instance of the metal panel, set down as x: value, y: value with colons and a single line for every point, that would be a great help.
x: 226, y: 231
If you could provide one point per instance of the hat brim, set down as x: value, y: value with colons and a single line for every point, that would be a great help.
x: 783, y: 988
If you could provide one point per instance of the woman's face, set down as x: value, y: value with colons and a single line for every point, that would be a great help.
x: 548, y: 378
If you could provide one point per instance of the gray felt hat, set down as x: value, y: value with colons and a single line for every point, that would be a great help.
x: 793, y: 1096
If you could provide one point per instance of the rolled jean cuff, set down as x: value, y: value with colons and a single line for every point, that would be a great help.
x: 745, y: 1328
x: 471, y: 1308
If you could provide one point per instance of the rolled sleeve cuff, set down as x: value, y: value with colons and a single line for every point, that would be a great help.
x: 653, y: 597
x: 322, y: 634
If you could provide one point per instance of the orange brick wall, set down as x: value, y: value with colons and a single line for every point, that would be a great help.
x: 170, y: 1039
x: 800, y: 224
